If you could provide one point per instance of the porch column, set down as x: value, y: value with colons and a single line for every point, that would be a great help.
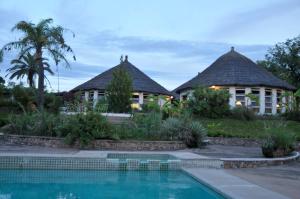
x: 248, y: 101
x: 141, y: 98
x: 86, y: 96
x: 274, y: 101
x: 232, y: 97
x: 95, y: 100
x: 283, y: 103
x: 262, y: 100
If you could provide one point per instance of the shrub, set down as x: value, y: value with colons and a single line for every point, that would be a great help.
x: 151, y: 105
x: 52, y: 103
x: 102, y: 105
x: 148, y: 123
x: 34, y: 123
x: 292, y: 115
x: 210, y: 103
x: 84, y: 127
x: 191, y: 132
x: 278, y: 142
x: 243, y: 113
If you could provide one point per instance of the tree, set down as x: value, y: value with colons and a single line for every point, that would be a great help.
x: 27, y: 66
x: 42, y: 38
x: 207, y: 102
x: 283, y: 60
x: 119, y: 92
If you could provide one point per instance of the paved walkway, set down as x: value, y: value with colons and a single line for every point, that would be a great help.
x: 222, y: 151
x: 232, y: 186
x: 284, y: 179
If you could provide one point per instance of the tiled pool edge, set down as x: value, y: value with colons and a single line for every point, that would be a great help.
x: 230, y: 187
x: 99, y: 160
x: 92, y: 163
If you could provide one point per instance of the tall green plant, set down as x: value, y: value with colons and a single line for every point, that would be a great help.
x: 211, y: 103
x: 119, y: 92
x: 41, y: 39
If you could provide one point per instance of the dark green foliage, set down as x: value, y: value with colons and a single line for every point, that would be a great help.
x: 26, y: 65
x: 24, y: 96
x: 148, y: 123
x: 173, y: 108
x: 279, y: 142
x: 84, y: 127
x: 119, y: 92
x: 35, y: 123
x: 151, y: 105
x: 246, y: 129
x: 102, y: 105
x: 191, y: 132
x: 209, y: 103
x: 283, y: 60
x: 292, y: 115
x: 243, y: 113
x: 52, y: 103
x: 3, y: 119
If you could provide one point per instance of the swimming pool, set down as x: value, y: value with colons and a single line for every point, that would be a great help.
x: 92, y: 184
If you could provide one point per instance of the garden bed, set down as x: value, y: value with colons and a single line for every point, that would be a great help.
x: 130, y: 145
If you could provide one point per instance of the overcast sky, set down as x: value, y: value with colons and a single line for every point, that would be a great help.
x: 169, y: 40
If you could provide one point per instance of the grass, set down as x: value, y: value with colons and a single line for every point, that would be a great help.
x: 247, y: 129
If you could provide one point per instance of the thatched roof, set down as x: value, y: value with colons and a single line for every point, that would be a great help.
x: 140, y: 81
x: 234, y: 69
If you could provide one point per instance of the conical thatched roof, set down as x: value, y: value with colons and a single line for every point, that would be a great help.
x: 140, y: 81
x: 234, y: 69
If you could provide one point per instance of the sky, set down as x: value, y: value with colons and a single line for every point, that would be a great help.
x: 170, y: 40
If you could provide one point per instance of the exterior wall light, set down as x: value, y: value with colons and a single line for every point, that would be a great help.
x: 238, y: 103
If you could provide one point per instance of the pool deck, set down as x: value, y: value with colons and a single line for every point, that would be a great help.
x: 231, y: 186
x: 224, y: 181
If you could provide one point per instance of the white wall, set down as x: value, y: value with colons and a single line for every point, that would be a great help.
x: 232, y: 99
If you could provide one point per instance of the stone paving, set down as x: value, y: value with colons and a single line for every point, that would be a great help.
x: 224, y: 151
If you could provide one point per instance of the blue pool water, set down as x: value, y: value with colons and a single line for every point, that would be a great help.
x: 77, y: 184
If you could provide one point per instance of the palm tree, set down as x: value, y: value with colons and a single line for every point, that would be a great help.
x: 27, y: 66
x: 41, y: 38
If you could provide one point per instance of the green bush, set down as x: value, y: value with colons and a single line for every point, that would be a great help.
x: 292, y: 115
x: 148, y: 123
x: 33, y: 123
x: 52, y: 103
x: 102, y: 105
x: 278, y: 141
x: 151, y: 105
x: 210, y: 103
x: 191, y: 132
x: 243, y: 113
x: 84, y: 127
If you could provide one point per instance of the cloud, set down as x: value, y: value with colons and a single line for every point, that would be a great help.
x: 109, y: 40
x: 233, y: 24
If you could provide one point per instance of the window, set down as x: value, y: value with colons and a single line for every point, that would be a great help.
x: 82, y: 96
x: 268, y: 101
x: 135, y: 98
x: 255, y: 102
x: 184, y: 97
x: 240, y: 96
x: 91, y: 95
x: 278, y: 101
x: 101, y: 95
x: 145, y: 96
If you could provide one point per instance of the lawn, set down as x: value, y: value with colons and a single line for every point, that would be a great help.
x: 246, y: 129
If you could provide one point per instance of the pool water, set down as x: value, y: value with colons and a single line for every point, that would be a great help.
x: 88, y: 184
